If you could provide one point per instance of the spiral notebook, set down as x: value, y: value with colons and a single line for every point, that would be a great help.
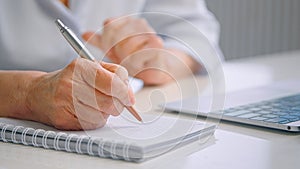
x: 123, y: 138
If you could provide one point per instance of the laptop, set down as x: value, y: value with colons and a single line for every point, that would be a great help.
x: 276, y: 106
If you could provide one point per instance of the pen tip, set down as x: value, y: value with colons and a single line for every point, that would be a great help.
x: 134, y: 113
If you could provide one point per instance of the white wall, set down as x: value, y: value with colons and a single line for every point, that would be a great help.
x: 255, y: 27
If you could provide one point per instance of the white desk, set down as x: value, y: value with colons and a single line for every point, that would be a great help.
x: 234, y: 146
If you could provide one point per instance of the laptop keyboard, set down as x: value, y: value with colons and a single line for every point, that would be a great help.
x: 282, y: 110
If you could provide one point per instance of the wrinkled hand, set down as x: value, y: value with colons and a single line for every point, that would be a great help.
x: 80, y: 96
x: 132, y: 43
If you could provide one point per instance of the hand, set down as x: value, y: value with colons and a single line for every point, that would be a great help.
x: 124, y: 39
x: 80, y: 96
x: 132, y: 43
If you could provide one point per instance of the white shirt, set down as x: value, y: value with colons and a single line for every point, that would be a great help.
x: 29, y: 39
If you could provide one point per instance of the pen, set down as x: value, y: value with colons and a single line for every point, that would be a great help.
x: 81, y: 49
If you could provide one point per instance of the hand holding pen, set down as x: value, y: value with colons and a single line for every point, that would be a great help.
x: 83, y: 52
x: 80, y: 96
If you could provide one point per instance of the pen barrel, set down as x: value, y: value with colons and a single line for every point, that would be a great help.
x: 77, y: 44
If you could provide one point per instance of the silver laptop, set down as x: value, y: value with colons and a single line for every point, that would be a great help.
x: 275, y: 106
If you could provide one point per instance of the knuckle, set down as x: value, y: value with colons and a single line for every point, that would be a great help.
x: 122, y: 72
x: 104, y: 76
x: 107, y: 21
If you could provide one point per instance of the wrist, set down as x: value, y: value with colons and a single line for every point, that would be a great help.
x: 23, y: 88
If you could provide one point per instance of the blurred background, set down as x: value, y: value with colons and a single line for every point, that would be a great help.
x: 257, y: 27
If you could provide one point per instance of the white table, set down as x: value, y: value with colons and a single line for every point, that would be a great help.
x: 233, y: 146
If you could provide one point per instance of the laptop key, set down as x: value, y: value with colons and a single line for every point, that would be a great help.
x: 295, y: 114
x: 254, y: 109
x: 264, y: 112
x: 237, y: 113
x: 291, y: 118
x: 274, y: 109
x: 248, y: 115
x: 266, y: 107
x: 259, y: 118
x: 275, y: 104
x: 297, y: 108
x: 270, y: 115
x: 283, y: 107
x: 284, y: 122
x: 280, y: 113
x: 277, y: 120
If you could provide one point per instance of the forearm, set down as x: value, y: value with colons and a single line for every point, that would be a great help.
x: 13, y: 91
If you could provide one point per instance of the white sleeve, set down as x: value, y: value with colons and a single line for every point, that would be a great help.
x: 194, y: 12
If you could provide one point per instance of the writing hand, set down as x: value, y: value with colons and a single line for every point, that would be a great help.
x: 81, y: 96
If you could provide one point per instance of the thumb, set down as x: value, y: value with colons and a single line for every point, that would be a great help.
x: 93, y: 39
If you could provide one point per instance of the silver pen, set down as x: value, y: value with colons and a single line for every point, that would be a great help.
x: 74, y: 40
x: 83, y: 52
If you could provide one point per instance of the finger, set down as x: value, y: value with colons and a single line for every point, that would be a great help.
x: 140, y: 60
x: 108, y: 83
x: 130, y: 45
x: 117, y: 69
x: 149, y: 40
x: 112, y: 56
x: 122, y: 73
x: 87, y: 95
x: 109, y: 105
x: 109, y: 20
x: 93, y: 39
x: 136, y: 43
x: 154, y: 41
x: 87, y: 113
x: 111, y: 31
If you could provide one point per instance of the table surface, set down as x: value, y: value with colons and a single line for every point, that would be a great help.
x: 232, y: 146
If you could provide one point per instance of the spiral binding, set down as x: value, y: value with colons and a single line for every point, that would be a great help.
x: 57, y: 139
x: 90, y: 146
x: 65, y: 142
